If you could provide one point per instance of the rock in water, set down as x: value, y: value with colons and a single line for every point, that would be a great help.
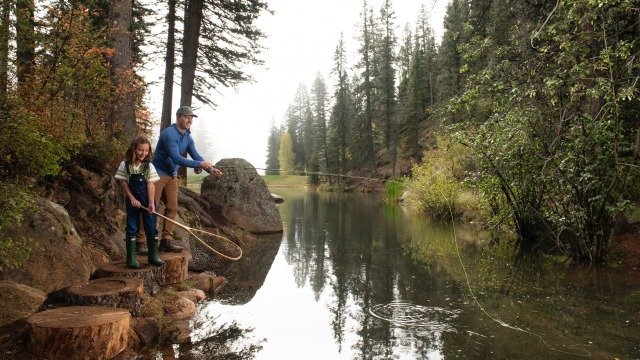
x: 241, y: 196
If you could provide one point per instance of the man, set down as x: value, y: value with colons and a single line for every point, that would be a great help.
x: 172, y: 143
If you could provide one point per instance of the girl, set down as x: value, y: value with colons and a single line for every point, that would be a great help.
x: 137, y: 175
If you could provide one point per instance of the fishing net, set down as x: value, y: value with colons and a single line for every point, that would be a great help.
x: 217, y: 244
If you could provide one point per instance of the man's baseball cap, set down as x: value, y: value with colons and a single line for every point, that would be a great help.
x: 185, y: 110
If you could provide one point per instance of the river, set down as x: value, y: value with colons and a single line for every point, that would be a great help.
x: 352, y: 278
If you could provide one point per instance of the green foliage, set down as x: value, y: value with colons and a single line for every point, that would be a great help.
x: 14, y: 203
x: 286, y: 158
x: 101, y: 151
x: 435, y: 187
x: 393, y: 189
x: 553, y: 133
x: 27, y: 150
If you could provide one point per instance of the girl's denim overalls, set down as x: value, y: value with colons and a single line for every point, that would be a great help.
x: 138, y: 187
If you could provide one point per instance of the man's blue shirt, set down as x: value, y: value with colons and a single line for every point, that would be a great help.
x: 167, y: 156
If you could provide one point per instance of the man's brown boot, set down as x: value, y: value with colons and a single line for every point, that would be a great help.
x: 166, y: 246
x: 141, y: 248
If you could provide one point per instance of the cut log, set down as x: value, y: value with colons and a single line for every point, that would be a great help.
x: 174, y: 271
x: 121, y: 292
x: 79, y: 332
x: 151, y: 276
x: 176, y: 268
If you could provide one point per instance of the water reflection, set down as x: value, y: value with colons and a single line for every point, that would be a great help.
x: 355, y: 279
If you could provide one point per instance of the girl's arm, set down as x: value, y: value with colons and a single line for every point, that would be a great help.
x: 151, y: 192
x: 132, y: 199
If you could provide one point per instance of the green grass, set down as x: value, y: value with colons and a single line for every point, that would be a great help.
x: 195, y: 180
x: 293, y: 181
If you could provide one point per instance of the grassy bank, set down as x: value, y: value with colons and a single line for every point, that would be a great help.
x: 289, y: 181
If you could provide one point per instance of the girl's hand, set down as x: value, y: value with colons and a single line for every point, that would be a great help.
x: 152, y: 209
x: 135, y: 203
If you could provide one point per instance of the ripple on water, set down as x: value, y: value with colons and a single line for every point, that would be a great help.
x: 413, y: 315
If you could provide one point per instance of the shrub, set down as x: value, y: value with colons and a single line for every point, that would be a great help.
x: 393, y: 190
x: 14, y: 203
x: 435, y: 185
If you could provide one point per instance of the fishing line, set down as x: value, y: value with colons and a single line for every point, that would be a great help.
x: 584, y: 353
x: 308, y: 173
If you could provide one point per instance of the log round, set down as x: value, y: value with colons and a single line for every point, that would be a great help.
x: 121, y: 292
x: 174, y: 271
x: 79, y: 332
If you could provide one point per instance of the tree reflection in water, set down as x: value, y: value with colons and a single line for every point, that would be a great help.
x: 225, y: 341
x: 347, y: 249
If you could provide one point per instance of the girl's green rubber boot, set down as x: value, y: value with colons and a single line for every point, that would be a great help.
x: 152, y: 244
x: 130, y: 244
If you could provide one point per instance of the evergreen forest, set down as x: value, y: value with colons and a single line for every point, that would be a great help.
x: 525, y: 113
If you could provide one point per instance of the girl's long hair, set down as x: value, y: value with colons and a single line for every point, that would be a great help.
x: 131, y: 151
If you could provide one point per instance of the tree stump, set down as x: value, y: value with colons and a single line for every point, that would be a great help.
x: 176, y: 268
x: 174, y: 271
x: 79, y: 332
x: 121, y: 292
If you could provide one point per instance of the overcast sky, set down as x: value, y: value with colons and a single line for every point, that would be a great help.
x: 301, y: 38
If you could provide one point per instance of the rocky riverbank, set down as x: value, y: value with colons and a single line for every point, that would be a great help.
x: 77, y: 227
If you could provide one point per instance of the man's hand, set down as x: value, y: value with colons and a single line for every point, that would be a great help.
x: 210, y: 168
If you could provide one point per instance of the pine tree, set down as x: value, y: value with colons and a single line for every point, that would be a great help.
x: 120, y: 38
x: 363, y: 153
x: 273, y: 151
x: 25, y: 41
x: 338, y: 133
x: 319, y: 105
x: 298, y: 120
x: 5, y: 35
x: 449, y: 56
x: 385, y: 81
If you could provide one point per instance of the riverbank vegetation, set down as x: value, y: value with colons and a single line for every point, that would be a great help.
x: 524, y: 112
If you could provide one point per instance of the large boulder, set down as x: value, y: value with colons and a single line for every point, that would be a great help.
x: 59, y: 258
x: 241, y: 197
x: 18, y: 301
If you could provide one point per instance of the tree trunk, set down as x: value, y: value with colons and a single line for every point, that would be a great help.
x: 120, y: 38
x: 192, y: 21
x: 25, y: 41
x: 170, y: 60
x: 4, y: 53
